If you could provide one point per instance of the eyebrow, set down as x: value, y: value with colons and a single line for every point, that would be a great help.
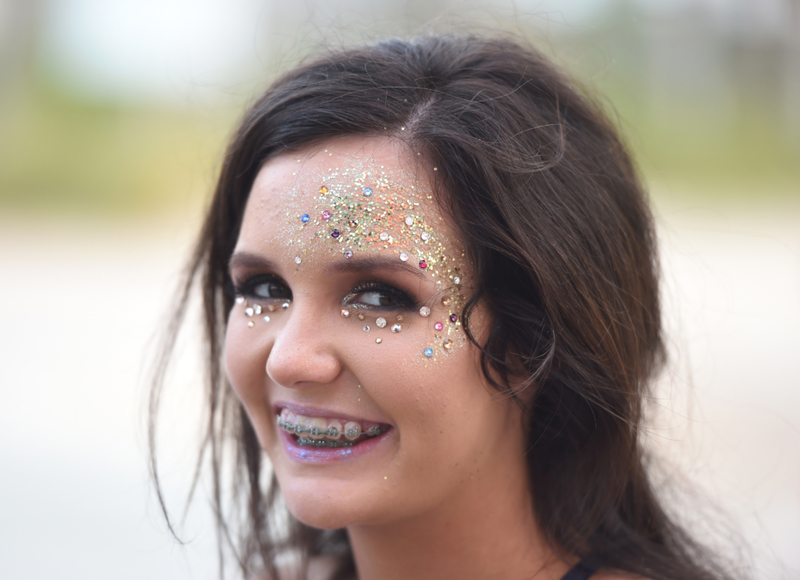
x: 356, y: 264
x: 250, y: 261
x: 360, y: 264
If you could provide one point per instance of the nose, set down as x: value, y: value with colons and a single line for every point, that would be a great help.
x: 304, y: 351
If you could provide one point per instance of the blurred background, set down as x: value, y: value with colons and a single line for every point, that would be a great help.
x: 113, y: 119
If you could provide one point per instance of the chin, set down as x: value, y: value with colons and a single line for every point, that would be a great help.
x: 334, y: 508
x: 323, y: 511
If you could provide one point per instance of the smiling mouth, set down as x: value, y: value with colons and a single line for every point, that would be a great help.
x: 327, y: 432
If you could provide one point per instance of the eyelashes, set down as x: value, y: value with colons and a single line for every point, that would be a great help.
x: 370, y: 294
x: 378, y: 295
x: 263, y: 287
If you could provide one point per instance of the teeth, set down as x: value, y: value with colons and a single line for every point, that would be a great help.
x: 301, y: 425
x: 317, y: 443
x: 352, y: 430
x: 334, y: 429
x: 318, y: 429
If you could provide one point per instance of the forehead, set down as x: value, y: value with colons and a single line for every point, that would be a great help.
x: 348, y: 197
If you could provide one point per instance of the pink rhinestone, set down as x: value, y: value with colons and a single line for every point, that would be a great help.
x: 453, y: 317
x: 438, y: 326
x: 326, y: 215
x: 423, y: 264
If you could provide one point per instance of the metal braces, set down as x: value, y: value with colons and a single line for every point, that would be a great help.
x: 373, y: 431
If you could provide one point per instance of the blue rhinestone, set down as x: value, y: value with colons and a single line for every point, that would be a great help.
x: 428, y: 352
x: 367, y: 191
x: 304, y: 218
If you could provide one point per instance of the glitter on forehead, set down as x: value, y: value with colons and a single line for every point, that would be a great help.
x: 361, y: 208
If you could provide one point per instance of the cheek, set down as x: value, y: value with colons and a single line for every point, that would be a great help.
x: 245, y: 362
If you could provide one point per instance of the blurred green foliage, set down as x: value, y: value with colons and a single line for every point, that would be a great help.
x: 60, y: 152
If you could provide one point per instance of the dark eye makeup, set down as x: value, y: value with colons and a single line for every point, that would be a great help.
x: 263, y: 287
x: 368, y: 294
x: 378, y: 295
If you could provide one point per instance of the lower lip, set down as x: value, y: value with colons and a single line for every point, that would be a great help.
x: 308, y: 454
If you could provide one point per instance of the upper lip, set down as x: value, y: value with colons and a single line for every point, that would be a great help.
x: 311, y: 411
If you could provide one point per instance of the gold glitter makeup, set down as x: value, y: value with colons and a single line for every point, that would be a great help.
x: 359, y: 210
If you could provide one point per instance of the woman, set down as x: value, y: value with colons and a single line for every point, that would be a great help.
x: 429, y: 273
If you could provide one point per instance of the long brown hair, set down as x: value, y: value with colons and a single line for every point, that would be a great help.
x: 557, y: 226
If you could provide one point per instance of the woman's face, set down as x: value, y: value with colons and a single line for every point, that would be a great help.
x: 345, y: 345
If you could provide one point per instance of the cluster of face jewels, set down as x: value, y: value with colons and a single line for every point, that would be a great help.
x: 257, y: 310
x: 383, y: 236
x: 324, y: 432
x: 380, y: 322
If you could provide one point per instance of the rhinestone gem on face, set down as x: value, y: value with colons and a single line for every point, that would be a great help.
x: 367, y: 191
x: 348, y: 253
x: 249, y: 311
x: 446, y: 300
x: 335, y: 233
x: 456, y: 280
x: 240, y: 300
x: 345, y: 312
x: 323, y: 190
x: 454, y: 318
x: 404, y: 256
x: 304, y: 218
x: 384, y: 236
x: 285, y: 305
x: 380, y: 322
x: 360, y: 316
x: 297, y: 260
x: 438, y: 326
x: 425, y: 236
x: 366, y: 328
x: 271, y: 308
x: 266, y: 319
x: 399, y: 318
x: 423, y: 264
x: 424, y: 311
x: 409, y: 221
x: 250, y: 323
x: 326, y: 215
x: 396, y: 328
x: 378, y: 340
x: 257, y: 308
x: 428, y: 352
x: 447, y: 344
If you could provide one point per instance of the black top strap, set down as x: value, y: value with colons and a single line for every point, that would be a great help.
x: 581, y: 571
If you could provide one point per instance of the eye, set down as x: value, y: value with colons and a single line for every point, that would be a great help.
x: 379, y: 296
x: 265, y: 288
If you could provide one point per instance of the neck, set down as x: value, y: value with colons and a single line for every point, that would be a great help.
x: 487, y: 530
